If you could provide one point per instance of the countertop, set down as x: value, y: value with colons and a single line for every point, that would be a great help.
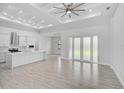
x: 25, y: 52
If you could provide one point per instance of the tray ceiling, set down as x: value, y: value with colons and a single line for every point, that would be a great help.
x: 42, y: 15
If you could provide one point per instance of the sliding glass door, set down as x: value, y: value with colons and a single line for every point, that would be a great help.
x: 84, y: 48
x: 95, y: 48
x: 77, y: 48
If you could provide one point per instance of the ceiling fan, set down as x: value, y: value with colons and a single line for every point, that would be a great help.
x: 69, y: 9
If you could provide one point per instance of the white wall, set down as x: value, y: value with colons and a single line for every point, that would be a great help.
x: 95, y: 26
x: 118, y: 42
x: 103, y: 32
x: 45, y: 43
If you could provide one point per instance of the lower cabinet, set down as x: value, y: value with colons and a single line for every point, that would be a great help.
x: 17, y: 60
x: 14, y: 60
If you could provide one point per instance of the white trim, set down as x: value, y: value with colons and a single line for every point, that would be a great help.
x: 91, y: 48
x: 65, y: 59
x: 102, y: 64
x: 84, y: 61
x: 54, y: 54
x: 119, y: 77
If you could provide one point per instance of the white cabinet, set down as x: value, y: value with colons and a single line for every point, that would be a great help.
x: 17, y: 60
x: 21, y: 58
x: 22, y: 41
x: 31, y: 41
x: 27, y: 40
x: 4, y: 39
x: 4, y: 44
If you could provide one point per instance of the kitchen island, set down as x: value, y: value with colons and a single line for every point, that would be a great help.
x: 22, y: 58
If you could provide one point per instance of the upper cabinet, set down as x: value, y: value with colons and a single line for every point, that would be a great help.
x: 31, y: 40
x: 4, y: 39
x: 22, y: 41
x: 27, y: 40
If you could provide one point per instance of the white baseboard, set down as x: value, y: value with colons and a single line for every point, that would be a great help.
x: 118, y: 75
x: 103, y: 64
x: 65, y: 59
x: 84, y: 61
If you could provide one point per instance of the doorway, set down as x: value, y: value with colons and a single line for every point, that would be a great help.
x: 55, y: 45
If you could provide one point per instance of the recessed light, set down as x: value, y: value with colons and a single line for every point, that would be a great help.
x: 50, y: 25
x: 90, y: 10
x: 20, y: 12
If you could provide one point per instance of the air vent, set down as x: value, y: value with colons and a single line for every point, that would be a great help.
x: 108, y: 8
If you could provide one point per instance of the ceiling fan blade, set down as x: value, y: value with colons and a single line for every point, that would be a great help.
x: 64, y: 14
x: 71, y: 4
x: 64, y: 5
x: 59, y: 8
x: 75, y: 13
x: 78, y: 5
x: 59, y: 12
x: 79, y: 10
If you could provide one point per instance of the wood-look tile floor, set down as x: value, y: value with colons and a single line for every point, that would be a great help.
x: 60, y: 74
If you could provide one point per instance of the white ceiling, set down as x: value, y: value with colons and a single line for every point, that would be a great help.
x: 42, y: 15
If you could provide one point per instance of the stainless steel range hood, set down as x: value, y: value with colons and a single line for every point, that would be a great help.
x: 14, y: 40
